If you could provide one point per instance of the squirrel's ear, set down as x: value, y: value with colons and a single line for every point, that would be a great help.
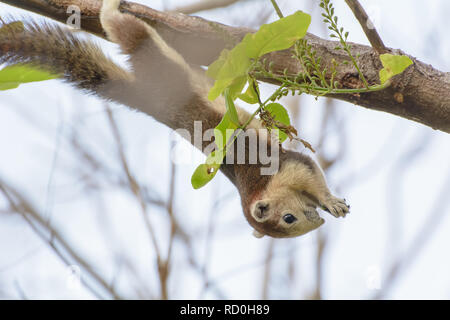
x: 257, y: 234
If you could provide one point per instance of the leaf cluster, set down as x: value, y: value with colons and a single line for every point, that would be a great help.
x: 236, y: 72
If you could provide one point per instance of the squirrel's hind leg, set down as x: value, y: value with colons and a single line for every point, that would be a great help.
x: 139, y: 40
x: 163, y: 78
x: 124, y: 29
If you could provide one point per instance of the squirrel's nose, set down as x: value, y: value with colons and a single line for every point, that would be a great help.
x: 261, y: 209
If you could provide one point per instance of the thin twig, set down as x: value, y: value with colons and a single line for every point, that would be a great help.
x: 367, y: 26
x: 20, y: 291
x: 49, y: 197
x: 40, y: 225
x: 170, y: 204
x: 35, y: 250
x: 173, y: 230
x: 437, y: 213
x: 321, y: 248
x: 268, y: 270
x: 209, y: 240
x: 136, y: 189
x: 277, y: 8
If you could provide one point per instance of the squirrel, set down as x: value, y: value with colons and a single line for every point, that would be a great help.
x: 163, y: 85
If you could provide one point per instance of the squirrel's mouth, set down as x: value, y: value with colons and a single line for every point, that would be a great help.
x: 313, y: 216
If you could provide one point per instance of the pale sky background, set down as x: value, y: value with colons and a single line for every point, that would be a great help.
x: 384, y: 185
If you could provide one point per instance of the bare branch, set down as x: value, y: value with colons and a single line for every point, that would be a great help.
x: 277, y: 8
x: 321, y: 248
x: 367, y: 25
x: 268, y: 270
x: 165, y: 268
x: 20, y: 291
x: 211, y: 225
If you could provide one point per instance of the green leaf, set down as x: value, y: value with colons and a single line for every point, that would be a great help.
x: 236, y: 63
x: 223, y: 131
x: 215, y: 158
x: 278, y: 35
x: 214, y: 68
x: 202, y: 175
x: 207, y: 171
x: 250, y: 95
x: 227, y: 68
x: 218, y: 88
x: 280, y: 114
x: 7, y: 86
x: 235, y: 88
x: 393, y: 65
x: 231, y: 108
x: 13, y: 76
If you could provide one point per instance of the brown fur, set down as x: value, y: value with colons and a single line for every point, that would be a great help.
x: 57, y: 50
x: 128, y: 32
x: 164, y: 86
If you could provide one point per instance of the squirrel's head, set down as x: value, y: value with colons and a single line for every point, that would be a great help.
x: 287, y: 213
x: 282, y: 208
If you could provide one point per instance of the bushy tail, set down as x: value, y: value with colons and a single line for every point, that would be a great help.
x: 58, y: 51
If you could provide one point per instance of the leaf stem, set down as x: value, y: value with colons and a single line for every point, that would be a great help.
x: 261, y: 106
x: 323, y: 91
x: 277, y: 8
x: 332, y: 20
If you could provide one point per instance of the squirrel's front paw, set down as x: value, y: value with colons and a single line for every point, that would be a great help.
x: 335, y: 206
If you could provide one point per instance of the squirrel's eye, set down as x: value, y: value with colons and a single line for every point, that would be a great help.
x: 289, y: 218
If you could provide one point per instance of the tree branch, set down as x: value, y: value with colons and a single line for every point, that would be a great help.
x: 421, y: 93
x: 367, y: 26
